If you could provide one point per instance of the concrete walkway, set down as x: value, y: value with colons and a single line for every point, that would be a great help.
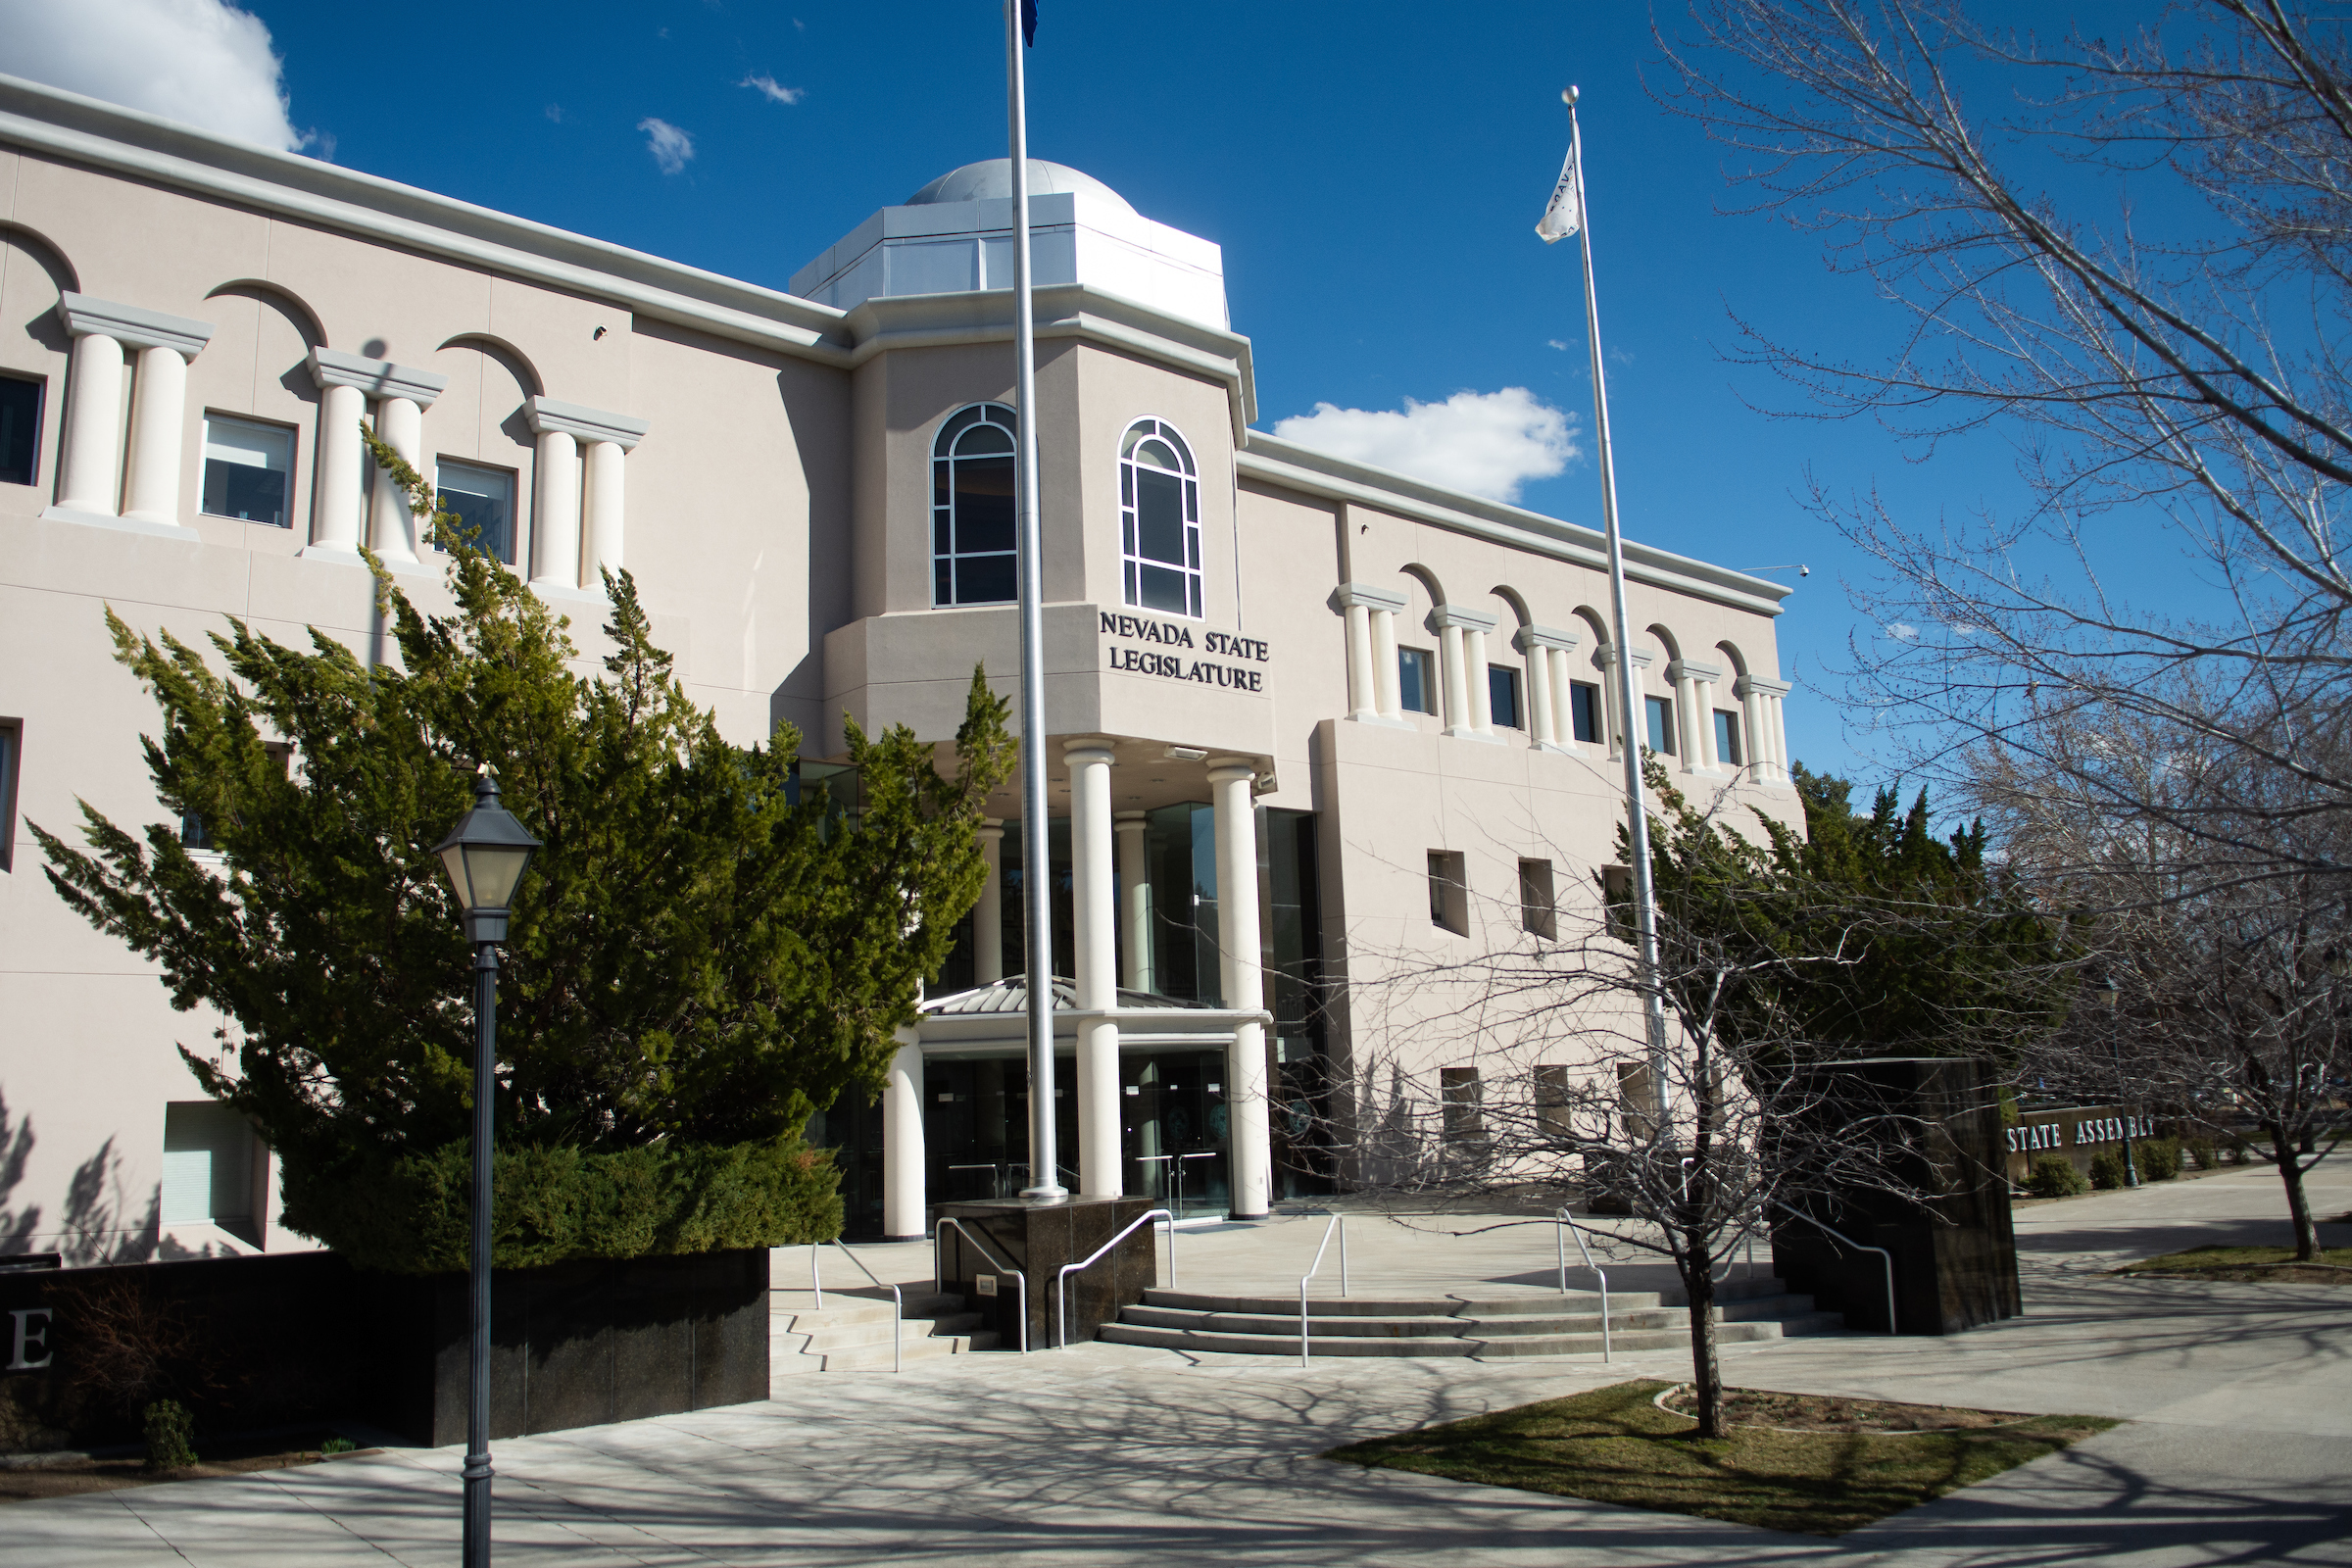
x: 2240, y: 1399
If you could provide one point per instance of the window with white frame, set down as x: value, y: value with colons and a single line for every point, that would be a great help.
x: 1159, y: 520
x: 484, y: 499
x: 972, y: 559
x: 248, y: 470
x: 1661, y: 725
x: 1583, y: 711
x: 1502, y: 697
x: 1727, y: 738
x: 1416, y: 680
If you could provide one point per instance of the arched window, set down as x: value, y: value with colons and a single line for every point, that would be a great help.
x: 971, y: 509
x: 1159, y: 520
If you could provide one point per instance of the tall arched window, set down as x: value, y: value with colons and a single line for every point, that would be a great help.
x: 971, y: 509
x: 1159, y: 520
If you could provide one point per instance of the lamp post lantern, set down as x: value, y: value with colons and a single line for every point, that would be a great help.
x: 485, y: 855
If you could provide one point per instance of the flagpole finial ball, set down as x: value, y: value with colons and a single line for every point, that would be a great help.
x: 1568, y: 96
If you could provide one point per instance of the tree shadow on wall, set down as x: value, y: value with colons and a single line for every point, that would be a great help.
x: 92, y: 1227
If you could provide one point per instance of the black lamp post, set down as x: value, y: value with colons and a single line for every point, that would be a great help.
x: 485, y: 854
x: 2105, y: 993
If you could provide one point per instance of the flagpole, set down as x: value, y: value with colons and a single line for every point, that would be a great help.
x: 1037, y: 868
x: 1629, y: 691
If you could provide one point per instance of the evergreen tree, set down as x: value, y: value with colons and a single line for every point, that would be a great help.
x: 703, y: 953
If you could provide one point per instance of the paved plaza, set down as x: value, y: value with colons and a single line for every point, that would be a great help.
x: 2238, y: 1400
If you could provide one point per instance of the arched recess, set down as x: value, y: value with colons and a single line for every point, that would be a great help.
x: 1518, y: 603
x: 479, y: 421
x: 1668, y: 649
x: 33, y: 272
x: 1731, y: 658
x: 1427, y: 580
x: 251, y: 403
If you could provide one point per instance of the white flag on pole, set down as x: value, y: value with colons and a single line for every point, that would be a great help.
x: 1566, y: 214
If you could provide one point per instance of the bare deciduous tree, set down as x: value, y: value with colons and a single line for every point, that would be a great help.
x: 2131, y: 258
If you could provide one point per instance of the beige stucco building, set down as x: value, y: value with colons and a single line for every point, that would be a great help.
x: 1384, y: 698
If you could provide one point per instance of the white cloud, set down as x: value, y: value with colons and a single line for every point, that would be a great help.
x: 1901, y: 631
x: 671, y: 146
x: 766, y: 86
x: 1486, y: 443
x: 554, y: 111
x: 202, y: 62
x: 1556, y: 343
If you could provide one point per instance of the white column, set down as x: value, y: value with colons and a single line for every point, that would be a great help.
x: 1480, y: 680
x: 603, y: 511
x: 1780, y: 734
x: 1563, y: 694
x: 1095, y: 918
x: 904, y: 1213
x: 1362, y: 702
x: 564, y: 564
x: 1371, y: 647
x: 1135, y: 902
x: 1384, y: 693
x: 1766, y: 732
x: 1540, y: 728
x: 987, y: 916
x: 1685, y: 717
x: 352, y: 496
x: 392, y: 527
x: 556, y: 512
x: 1453, y: 680
x: 86, y: 480
x: 1241, y: 966
x: 159, y: 409
x: 335, y: 483
x: 90, y: 468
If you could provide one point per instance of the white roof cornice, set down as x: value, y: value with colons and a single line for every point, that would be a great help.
x: 1272, y: 461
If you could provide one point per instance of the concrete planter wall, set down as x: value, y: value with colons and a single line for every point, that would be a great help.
x: 304, y: 1336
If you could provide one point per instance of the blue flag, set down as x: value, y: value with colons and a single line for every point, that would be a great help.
x: 1029, y: 22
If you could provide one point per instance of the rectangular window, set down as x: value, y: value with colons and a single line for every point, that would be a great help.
x: 1727, y: 738
x: 484, y: 501
x: 1583, y: 711
x: 1537, y: 912
x: 1551, y: 1100
x: 1661, y: 725
x: 1617, y: 900
x: 208, y: 1166
x: 1416, y: 680
x: 1464, y: 1102
x: 1448, y: 892
x: 20, y: 430
x: 12, y: 756
x: 247, y: 469
x: 1502, y: 697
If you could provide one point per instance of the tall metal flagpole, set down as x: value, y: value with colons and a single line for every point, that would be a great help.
x: 1629, y: 691
x: 1037, y: 868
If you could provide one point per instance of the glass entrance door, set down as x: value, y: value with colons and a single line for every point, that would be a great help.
x: 1177, y: 1131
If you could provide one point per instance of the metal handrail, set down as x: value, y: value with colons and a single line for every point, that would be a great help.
x: 1061, y: 1281
x: 1338, y: 1222
x: 1885, y: 1257
x: 939, y: 1284
x: 1568, y: 1226
x: 898, y: 1298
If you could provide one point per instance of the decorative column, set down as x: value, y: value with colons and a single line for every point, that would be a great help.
x: 1760, y: 699
x: 1478, y: 675
x: 1694, y: 696
x: 987, y: 916
x: 1364, y: 606
x: 1549, y: 719
x: 90, y: 478
x: 1135, y: 902
x: 1095, y: 918
x: 559, y: 513
x: 905, y: 1212
x: 1563, y: 692
x: 1465, y: 687
x: 349, y: 482
x: 1241, y: 967
x: 1385, y: 691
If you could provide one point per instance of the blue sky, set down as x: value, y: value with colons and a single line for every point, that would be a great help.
x: 1372, y: 170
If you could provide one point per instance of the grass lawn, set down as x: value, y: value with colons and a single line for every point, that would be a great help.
x: 2247, y: 1263
x: 1614, y: 1445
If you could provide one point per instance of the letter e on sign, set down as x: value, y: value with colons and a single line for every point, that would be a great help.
x: 29, y: 1337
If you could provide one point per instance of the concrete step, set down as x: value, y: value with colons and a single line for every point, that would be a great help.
x: 1420, y: 1325
x: 1339, y: 1306
x: 1198, y: 1340
x: 852, y: 1332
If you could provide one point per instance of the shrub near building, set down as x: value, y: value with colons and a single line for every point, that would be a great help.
x: 702, y: 953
